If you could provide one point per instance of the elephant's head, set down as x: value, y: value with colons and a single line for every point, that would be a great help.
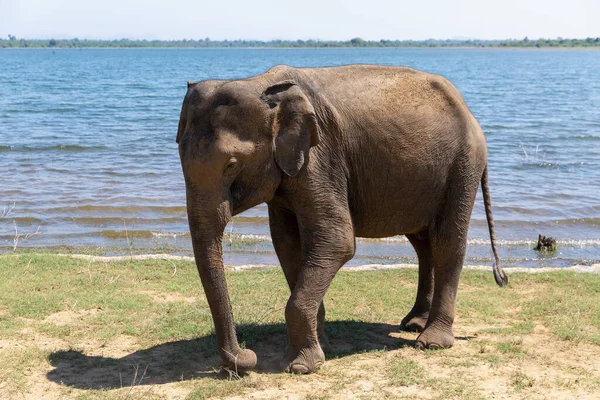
x: 236, y: 139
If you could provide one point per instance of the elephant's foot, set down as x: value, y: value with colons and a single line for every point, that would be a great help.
x: 414, y: 322
x: 435, y: 338
x: 305, y: 361
x: 245, y: 360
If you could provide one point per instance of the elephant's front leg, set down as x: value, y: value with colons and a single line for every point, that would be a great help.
x: 286, y: 241
x: 327, y: 244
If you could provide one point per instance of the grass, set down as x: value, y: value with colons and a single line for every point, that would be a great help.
x: 71, y: 328
x: 405, y: 372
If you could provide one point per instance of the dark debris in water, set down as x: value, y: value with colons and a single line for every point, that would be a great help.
x: 546, y: 244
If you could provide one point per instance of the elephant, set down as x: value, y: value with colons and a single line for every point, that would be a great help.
x: 336, y: 153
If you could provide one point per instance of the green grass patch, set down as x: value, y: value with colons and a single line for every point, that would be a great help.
x: 405, y: 372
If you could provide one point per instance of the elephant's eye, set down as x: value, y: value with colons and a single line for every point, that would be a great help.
x: 231, y: 164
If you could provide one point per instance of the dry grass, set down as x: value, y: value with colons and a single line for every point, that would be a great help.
x: 142, y: 330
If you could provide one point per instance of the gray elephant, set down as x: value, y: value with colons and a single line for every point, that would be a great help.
x: 336, y: 153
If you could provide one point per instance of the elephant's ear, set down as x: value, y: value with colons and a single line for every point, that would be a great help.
x: 182, y: 122
x: 294, y: 125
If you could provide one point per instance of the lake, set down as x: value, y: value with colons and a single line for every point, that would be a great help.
x: 88, y: 157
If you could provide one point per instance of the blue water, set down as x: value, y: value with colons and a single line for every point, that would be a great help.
x: 88, y: 154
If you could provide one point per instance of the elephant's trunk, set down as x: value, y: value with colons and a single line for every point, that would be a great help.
x: 206, y: 228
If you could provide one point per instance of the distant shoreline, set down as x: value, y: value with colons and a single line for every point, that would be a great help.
x: 491, y: 48
x: 207, y: 43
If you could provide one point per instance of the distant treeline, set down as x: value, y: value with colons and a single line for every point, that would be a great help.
x: 13, y: 42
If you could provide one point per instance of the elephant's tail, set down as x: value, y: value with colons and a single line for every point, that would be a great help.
x: 499, y: 275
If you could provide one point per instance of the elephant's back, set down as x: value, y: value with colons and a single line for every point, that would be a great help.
x: 398, y: 89
x: 383, y: 101
x: 385, y: 106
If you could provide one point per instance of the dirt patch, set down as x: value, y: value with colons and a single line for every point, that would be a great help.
x: 40, y: 388
x: 32, y: 338
x: 10, y: 344
x: 168, y: 297
x: 68, y: 317
x: 118, y: 347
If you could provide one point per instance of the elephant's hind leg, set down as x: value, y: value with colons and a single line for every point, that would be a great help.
x: 416, y: 319
x: 447, y: 257
x: 448, y: 240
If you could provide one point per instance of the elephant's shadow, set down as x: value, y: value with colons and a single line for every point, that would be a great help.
x: 197, y: 358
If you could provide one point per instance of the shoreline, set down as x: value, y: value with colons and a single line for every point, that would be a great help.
x: 591, y: 269
x: 554, y: 48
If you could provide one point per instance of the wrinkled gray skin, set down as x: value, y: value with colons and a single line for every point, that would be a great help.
x: 336, y: 153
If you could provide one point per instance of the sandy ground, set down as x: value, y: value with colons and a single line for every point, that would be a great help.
x: 539, y: 366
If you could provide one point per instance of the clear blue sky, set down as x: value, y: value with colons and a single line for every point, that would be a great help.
x: 299, y: 19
